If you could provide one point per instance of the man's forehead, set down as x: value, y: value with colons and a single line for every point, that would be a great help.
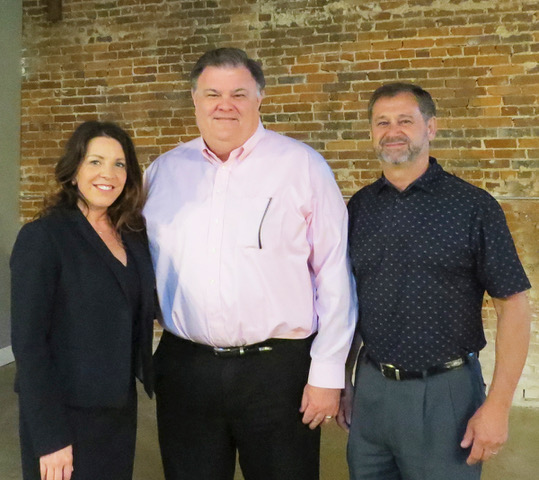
x: 218, y: 89
x: 218, y: 70
x: 226, y: 78
x: 405, y: 102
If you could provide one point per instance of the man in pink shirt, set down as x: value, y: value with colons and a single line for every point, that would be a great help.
x: 248, y: 234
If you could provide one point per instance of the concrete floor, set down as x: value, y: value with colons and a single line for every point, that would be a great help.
x: 519, y: 460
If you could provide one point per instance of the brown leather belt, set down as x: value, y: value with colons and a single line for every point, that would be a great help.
x: 394, y: 373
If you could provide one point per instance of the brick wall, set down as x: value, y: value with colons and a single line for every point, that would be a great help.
x: 128, y: 61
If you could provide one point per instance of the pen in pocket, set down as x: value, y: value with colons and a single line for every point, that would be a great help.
x: 261, y: 222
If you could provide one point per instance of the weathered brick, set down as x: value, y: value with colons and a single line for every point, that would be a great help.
x: 129, y: 61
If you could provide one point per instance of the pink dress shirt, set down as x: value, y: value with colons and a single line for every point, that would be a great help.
x: 253, y: 248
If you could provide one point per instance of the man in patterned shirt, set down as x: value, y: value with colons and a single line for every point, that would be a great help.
x: 424, y: 247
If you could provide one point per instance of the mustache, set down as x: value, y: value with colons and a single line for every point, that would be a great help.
x: 394, y: 140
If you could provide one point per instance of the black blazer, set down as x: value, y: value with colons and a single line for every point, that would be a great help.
x: 71, y: 327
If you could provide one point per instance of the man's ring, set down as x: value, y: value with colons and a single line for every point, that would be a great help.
x: 329, y: 417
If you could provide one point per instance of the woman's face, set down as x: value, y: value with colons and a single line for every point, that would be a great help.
x: 102, y: 173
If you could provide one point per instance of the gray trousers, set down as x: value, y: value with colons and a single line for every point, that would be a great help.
x: 412, y: 429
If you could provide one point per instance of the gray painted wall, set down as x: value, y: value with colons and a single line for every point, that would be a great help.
x: 10, y: 99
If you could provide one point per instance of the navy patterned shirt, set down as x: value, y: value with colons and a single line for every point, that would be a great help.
x: 422, y: 259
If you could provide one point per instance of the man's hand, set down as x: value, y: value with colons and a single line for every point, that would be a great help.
x: 488, y: 429
x: 319, y: 405
x: 486, y: 432
x: 344, y: 417
x: 57, y: 465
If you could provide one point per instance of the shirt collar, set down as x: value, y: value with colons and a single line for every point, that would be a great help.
x: 424, y: 182
x: 238, y: 154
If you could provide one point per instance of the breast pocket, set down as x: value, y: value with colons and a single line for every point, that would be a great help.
x: 258, y: 226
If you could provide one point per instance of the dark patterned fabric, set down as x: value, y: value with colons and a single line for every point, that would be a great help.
x: 423, y: 259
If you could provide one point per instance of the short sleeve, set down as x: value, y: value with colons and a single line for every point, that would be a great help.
x: 499, y: 268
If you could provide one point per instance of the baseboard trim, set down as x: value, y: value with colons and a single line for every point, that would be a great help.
x: 6, y: 356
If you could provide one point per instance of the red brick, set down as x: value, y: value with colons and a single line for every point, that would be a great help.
x: 130, y: 62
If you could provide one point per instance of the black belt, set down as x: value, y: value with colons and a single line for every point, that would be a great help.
x: 394, y: 373
x: 241, y: 351
x: 227, y: 352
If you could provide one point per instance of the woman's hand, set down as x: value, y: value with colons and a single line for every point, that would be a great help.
x: 57, y: 465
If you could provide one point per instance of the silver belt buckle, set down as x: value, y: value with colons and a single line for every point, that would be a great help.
x: 458, y: 362
x: 221, y: 350
x: 392, y: 368
x: 225, y: 351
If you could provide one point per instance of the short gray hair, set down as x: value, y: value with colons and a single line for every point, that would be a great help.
x: 424, y: 100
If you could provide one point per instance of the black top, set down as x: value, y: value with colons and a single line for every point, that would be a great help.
x: 422, y: 259
x: 129, y: 278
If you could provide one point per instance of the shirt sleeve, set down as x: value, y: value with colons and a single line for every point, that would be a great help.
x: 335, y: 302
x: 499, y: 268
x: 33, y: 292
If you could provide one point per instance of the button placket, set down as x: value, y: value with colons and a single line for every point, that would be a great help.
x: 215, y: 237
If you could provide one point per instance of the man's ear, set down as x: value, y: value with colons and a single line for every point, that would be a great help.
x: 261, y: 96
x: 432, y: 128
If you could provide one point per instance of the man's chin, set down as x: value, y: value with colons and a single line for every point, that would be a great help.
x: 394, y: 160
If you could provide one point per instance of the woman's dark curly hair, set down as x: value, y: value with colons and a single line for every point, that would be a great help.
x: 126, y: 212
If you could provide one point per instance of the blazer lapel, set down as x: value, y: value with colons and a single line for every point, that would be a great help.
x: 93, y: 239
x: 143, y: 358
x: 141, y: 255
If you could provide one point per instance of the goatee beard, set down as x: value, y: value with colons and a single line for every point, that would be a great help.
x: 409, y: 155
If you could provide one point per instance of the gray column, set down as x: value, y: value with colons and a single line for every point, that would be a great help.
x: 10, y: 100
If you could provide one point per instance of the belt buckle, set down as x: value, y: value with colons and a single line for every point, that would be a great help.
x: 241, y: 351
x: 458, y: 362
x: 385, y: 368
x: 228, y: 351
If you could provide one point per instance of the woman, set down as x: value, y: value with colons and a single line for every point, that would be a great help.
x: 82, y: 314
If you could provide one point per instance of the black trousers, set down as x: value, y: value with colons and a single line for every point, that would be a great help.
x: 209, y: 408
x: 104, y: 446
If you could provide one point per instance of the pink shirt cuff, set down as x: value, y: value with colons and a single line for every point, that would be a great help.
x: 326, y: 374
